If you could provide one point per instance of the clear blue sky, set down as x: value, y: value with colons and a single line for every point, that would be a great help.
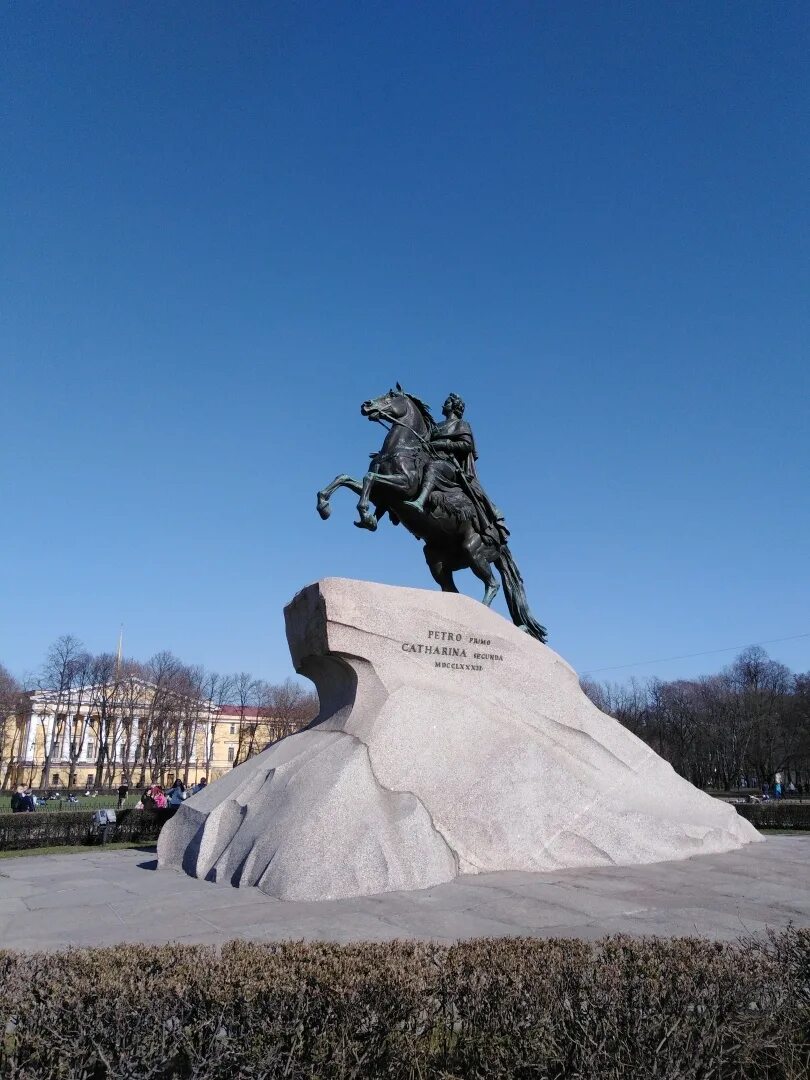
x: 225, y: 225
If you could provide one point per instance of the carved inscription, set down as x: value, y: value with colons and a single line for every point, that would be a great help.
x: 458, y: 652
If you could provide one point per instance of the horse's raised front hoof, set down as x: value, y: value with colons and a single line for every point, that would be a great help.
x: 324, y: 509
x: 367, y: 521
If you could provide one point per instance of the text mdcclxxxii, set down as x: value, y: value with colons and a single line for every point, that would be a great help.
x: 459, y: 654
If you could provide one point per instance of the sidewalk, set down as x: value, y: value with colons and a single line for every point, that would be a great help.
x: 106, y: 897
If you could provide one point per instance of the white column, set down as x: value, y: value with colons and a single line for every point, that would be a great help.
x: 34, y: 724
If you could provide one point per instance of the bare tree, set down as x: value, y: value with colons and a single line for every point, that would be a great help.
x: 286, y: 707
x: 763, y: 686
x: 799, y: 767
x: 78, y: 720
x: 268, y: 712
x: 204, y: 686
x: 247, y: 690
x: 105, y: 715
x: 748, y: 724
x: 59, y: 675
x: 10, y: 695
x: 133, y: 695
x: 216, y: 690
x: 160, y: 673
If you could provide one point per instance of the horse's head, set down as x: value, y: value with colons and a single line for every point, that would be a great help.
x: 397, y: 405
x: 390, y: 406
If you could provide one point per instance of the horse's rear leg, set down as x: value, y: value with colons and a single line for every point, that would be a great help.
x: 480, y: 564
x: 343, y: 480
x: 441, y: 571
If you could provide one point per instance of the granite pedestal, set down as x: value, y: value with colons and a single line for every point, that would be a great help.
x: 448, y: 742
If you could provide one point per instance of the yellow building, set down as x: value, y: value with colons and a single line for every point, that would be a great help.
x: 12, y: 734
x: 129, y: 730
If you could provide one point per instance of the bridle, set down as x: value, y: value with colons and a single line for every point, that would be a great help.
x: 400, y: 423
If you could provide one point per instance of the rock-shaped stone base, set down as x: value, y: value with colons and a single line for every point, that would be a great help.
x: 448, y: 742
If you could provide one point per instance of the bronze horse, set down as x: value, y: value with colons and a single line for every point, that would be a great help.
x: 450, y: 524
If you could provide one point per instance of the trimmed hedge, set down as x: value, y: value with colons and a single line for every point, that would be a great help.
x: 776, y: 815
x: 21, y: 831
x: 678, y: 1009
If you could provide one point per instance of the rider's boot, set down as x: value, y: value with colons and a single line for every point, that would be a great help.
x: 417, y: 504
x: 424, y: 494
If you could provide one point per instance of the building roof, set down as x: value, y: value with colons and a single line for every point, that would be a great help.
x: 249, y: 712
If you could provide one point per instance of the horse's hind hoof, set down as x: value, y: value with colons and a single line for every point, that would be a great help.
x: 490, y: 594
x: 324, y: 509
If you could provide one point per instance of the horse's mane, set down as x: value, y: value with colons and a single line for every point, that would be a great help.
x: 423, y: 409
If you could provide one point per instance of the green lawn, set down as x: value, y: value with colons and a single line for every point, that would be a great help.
x: 101, y: 802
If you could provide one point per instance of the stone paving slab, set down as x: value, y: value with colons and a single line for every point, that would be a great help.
x: 107, y: 897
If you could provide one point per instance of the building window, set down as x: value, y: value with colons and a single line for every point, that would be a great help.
x: 55, y: 779
x: 231, y: 753
x: 90, y: 779
x: 91, y: 748
x: 233, y: 729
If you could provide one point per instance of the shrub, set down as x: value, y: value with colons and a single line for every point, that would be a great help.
x: 776, y: 815
x: 660, y: 1009
x: 21, y: 831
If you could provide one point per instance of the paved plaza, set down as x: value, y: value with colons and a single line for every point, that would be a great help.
x: 106, y: 897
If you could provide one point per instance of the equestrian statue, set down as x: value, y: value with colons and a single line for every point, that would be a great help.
x: 424, y: 477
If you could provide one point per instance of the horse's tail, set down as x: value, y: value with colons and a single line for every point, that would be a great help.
x: 514, y: 592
